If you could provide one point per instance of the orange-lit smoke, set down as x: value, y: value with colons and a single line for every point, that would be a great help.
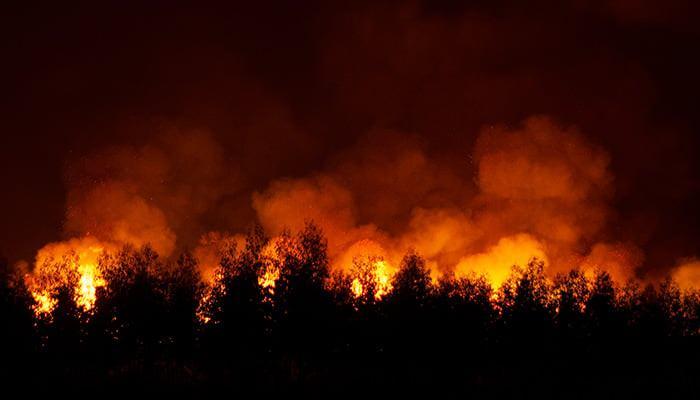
x: 687, y: 274
x: 540, y: 190
x: 617, y: 259
x: 509, y: 251
x: 74, y: 263
x: 535, y: 190
x: 155, y: 194
x: 211, y: 248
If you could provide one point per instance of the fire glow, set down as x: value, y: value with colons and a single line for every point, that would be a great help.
x: 541, y: 191
x: 75, y: 263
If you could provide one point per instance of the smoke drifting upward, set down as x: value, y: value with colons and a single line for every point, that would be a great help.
x: 479, y: 134
x: 546, y: 181
x: 156, y: 194
x: 687, y: 274
x: 542, y: 190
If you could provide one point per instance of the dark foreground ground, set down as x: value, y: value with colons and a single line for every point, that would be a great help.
x: 669, y: 368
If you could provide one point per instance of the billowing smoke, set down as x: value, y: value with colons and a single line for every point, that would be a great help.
x: 548, y: 182
x: 539, y: 190
x: 155, y: 194
x: 687, y: 274
x: 368, y: 118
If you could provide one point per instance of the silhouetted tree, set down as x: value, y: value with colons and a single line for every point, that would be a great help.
x: 136, y: 301
x: 183, y: 288
x: 628, y: 309
x: 649, y: 318
x: 464, y: 309
x: 156, y: 320
x: 408, y: 314
x: 237, y: 328
x: 601, y: 307
x: 59, y: 326
x: 365, y: 285
x: 691, y: 313
x: 572, y: 290
x: 412, y: 285
x: 304, y: 307
x: 368, y: 324
x: 526, y: 303
x: 671, y: 307
x: 342, y: 298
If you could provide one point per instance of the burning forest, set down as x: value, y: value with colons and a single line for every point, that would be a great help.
x: 427, y: 197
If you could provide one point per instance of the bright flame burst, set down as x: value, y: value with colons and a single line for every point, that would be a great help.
x: 71, y: 263
x: 90, y: 280
x: 496, y: 262
x: 268, y: 278
x: 44, y: 303
x: 380, y: 276
x: 271, y: 260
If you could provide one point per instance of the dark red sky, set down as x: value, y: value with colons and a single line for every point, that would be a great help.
x: 285, y: 86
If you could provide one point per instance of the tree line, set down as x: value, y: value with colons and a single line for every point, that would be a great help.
x: 156, y: 323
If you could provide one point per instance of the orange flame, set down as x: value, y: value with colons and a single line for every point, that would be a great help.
x: 73, y: 262
x: 268, y: 279
x: 379, y: 275
x: 496, y: 263
x: 271, y: 259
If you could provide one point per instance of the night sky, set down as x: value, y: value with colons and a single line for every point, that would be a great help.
x: 289, y: 89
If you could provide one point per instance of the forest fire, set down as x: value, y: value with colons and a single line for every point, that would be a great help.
x: 89, y: 281
x: 372, y: 274
x: 496, y: 263
x: 272, y: 258
x: 550, y: 203
x: 71, y: 265
x: 268, y: 278
x: 442, y: 198
x: 78, y: 265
